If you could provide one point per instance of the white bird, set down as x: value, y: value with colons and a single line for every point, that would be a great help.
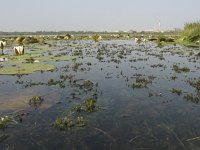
x: 19, y: 50
x: 2, y: 45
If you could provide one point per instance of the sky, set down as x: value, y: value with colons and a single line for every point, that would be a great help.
x: 96, y: 15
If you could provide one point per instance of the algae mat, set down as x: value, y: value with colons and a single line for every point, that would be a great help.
x: 26, y: 69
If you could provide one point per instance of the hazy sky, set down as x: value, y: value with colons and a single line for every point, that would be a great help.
x: 96, y: 15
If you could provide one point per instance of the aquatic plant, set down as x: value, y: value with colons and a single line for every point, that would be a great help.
x: 78, y: 108
x: 75, y: 66
x: 139, y: 85
x: 62, y: 84
x: 192, y: 98
x: 36, y: 101
x: 151, y: 94
x: 89, y: 63
x: 176, y: 91
x: 90, y: 104
x: 196, y: 84
x: 30, y: 60
x: 30, y: 40
x: 80, y: 122
x: 53, y: 82
x: 140, y: 82
x: 63, y: 123
x: 26, y: 69
x: 97, y: 38
x: 4, y: 122
x: 179, y: 69
x: 87, y: 84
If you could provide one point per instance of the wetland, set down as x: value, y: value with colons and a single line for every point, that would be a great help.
x: 111, y: 93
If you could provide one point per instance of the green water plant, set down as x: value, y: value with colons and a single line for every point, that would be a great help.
x: 197, y: 85
x: 192, y: 98
x: 36, y: 101
x: 140, y: 82
x: 178, y: 69
x: 97, y: 38
x: 26, y: 68
x: 80, y: 122
x: 63, y: 123
x: 78, y: 108
x: 4, y: 122
x: 90, y: 105
x: 176, y: 91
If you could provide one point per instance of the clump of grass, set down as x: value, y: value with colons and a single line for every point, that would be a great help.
x: 90, y: 105
x: 89, y: 63
x: 97, y: 38
x: 30, y: 60
x: 176, y: 91
x: 36, y: 101
x: 78, y: 108
x: 80, y: 122
x: 141, y: 82
x: 87, y: 84
x: 53, y: 82
x: 63, y: 123
x: 75, y: 66
x: 192, y: 98
x: 179, y: 69
x: 195, y: 84
x: 4, y: 122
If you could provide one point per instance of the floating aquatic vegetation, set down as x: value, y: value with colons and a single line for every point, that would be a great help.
x: 141, y: 82
x: 90, y: 105
x: 173, y: 77
x: 4, y: 122
x: 192, y: 98
x: 26, y: 69
x: 151, y: 94
x: 87, y: 84
x: 30, y: 60
x: 63, y: 123
x: 176, y: 91
x: 174, y: 51
x: 179, y: 69
x: 158, y: 65
x: 89, y: 63
x: 53, y: 82
x: 36, y: 101
x: 75, y: 66
x: 97, y: 38
x: 80, y: 122
x: 196, y: 84
x: 78, y: 108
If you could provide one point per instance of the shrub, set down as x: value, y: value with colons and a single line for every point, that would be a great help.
x: 191, y: 32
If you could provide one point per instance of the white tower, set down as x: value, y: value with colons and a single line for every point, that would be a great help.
x: 159, y: 29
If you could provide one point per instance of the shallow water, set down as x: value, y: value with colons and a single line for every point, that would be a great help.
x: 128, y: 118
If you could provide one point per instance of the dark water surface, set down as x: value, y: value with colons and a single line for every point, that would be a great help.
x: 127, y: 119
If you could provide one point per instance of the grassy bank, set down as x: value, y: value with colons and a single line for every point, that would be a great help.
x: 191, y: 34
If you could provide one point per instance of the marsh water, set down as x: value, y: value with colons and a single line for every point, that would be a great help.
x: 152, y: 117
